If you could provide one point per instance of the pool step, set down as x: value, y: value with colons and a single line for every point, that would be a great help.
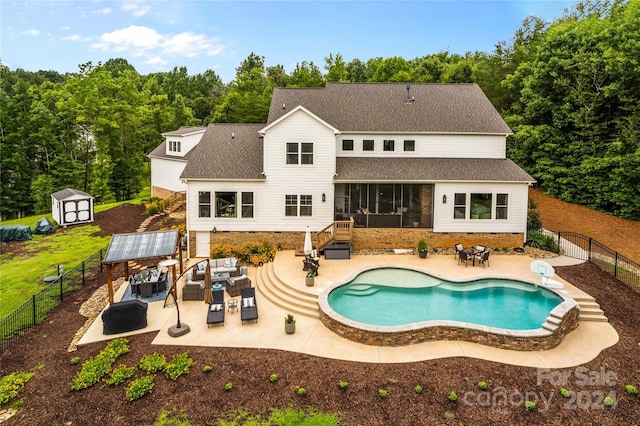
x: 361, y: 292
x: 590, y: 309
x: 281, y: 294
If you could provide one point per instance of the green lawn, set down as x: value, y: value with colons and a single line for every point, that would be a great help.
x: 21, y: 276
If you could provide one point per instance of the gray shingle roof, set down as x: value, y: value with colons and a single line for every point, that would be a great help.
x: 382, y: 107
x: 69, y: 192
x: 161, y: 152
x: 219, y: 156
x: 429, y: 169
x: 184, y: 130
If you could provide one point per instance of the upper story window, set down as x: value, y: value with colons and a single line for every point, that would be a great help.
x: 368, y: 145
x: 204, y: 204
x: 347, y: 144
x: 388, y: 145
x: 299, y: 153
x: 247, y: 204
x: 175, y: 146
x: 295, y: 205
x: 460, y: 205
x: 409, y: 145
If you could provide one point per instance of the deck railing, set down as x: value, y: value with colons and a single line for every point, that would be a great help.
x: 340, y: 231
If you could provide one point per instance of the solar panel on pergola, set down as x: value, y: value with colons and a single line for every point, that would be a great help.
x: 140, y: 245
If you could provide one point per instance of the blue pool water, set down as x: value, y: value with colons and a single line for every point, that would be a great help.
x: 393, y: 296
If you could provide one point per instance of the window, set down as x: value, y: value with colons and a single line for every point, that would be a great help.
x: 502, y: 202
x: 409, y: 145
x: 368, y: 145
x: 347, y: 144
x: 481, y: 206
x: 459, y: 206
x: 388, y: 145
x: 305, y: 205
x: 174, y: 146
x: 247, y: 204
x: 225, y: 204
x: 299, y: 153
x: 204, y: 204
x: 291, y: 207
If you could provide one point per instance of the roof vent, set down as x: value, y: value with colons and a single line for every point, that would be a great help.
x: 233, y: 135
x: 410, y: 99
x: 283, y: 105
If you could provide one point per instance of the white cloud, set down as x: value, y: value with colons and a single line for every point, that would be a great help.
x: 34, y: 33
x: 141, y: 41
x: 65, y: 28
x: 104, y: 11
x: 137, y: 9
x: 76, y: 37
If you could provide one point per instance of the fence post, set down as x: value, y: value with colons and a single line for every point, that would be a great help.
x: 589, y: 252
x: 61, y: 297
x: 559, y: 246
x: 83, y: 273
x: 33, y: 298
x: 100, y: 260
x: 615, y: 266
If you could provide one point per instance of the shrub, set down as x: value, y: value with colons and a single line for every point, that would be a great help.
x: 343, y: 385
x: 207, y: 369
x: 140, y: 387
x: 302, y: 391
x: 418, y: 389
x: 74, y: 360
x: 631, y: 390
x: 95, y: 368
x: 11, y: 385
x: 152, y: 363
x: 453, y: 396
x: 537, y: 239
x: 565, y: 393
x: 530, y: 405
x: 608, y: 402
x: 228, y: 386
x: 533, y: 217
x: 120, y: 374
x: 382, y: 393
x: 273, y: 378
x: 482, y: 385
x: 179, y: 365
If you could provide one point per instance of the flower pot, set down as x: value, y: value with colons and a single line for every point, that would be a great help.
x: 309, y: 281
x: 290, y: 328
x: 422, y: 254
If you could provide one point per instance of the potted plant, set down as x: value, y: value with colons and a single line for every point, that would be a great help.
x: 309, y: 279
x: 422, y: 248
x: 289, y: 324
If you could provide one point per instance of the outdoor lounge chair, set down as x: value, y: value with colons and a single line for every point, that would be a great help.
x: 248, y: 305
x: 146, y: 289
x: 458, y: 248
x: 483, y: 257
x: 215, y: 312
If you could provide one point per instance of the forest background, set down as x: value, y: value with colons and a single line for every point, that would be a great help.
x: 569, y: 90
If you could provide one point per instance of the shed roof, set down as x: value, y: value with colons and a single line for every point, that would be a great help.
x: 386, y: 107
x: 142, y: 245
x: 68, y: 193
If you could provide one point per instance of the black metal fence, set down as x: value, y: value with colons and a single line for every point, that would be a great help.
x: 585, y: 248
x: 35, y: 310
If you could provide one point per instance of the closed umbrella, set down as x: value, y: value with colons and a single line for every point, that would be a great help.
x: 308, y: 247
x: 208, y: 293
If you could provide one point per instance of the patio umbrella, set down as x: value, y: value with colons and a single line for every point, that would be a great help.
x: 208, y: 293
x: 308, y: 247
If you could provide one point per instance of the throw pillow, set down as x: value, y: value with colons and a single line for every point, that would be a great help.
x: 233, y: 262
x: 226, y: 264
x: 252, y: 302
x: 216, y: 307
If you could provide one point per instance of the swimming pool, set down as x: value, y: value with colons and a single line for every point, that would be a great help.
x: 374, y: 298
x: 394, y: 306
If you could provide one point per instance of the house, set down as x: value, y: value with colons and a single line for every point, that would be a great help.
x: 395, y: 161
x: 71, y: 206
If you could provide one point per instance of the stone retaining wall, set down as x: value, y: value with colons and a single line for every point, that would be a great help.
x: 535, y: 340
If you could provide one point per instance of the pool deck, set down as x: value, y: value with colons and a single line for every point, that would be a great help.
x: 313, y: 338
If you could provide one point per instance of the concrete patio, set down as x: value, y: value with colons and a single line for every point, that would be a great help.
x: 313, y: 338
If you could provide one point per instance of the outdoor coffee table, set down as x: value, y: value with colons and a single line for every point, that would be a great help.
x: 232, y: 304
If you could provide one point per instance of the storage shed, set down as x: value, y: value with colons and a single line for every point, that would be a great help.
x: 70, y: 206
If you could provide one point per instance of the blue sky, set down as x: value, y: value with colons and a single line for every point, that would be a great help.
x: 159, y: 35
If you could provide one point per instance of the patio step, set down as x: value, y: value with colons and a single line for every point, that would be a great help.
x: 590, y: 309
x: 286, y: 296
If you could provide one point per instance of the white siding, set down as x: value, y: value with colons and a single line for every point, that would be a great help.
x: 187, y: 143
x: 281, y: 179
x: 165, y: 173
x: 428, y: 146
x: 516, y: 221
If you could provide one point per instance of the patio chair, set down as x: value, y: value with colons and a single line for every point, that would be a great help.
x: 483, y: 258
x: 236, y: 284
x: 162, y: 281
x: 458, y: 248
x: 215, y: 312
x: 146, y: 289
x: 480, y: 248
x: 463, y: 257
x: 248, y: 305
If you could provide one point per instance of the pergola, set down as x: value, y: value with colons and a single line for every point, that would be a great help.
x: 140, y: 246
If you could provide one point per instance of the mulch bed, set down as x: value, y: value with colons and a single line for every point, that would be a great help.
x: 48, y: 399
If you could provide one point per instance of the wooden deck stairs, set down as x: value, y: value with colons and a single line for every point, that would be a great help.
x: 339, y: 231
x: 174, y: 202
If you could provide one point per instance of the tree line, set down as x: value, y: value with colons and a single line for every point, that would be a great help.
x: 569, y: 90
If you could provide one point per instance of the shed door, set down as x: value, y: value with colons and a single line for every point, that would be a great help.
x: 203, y: 245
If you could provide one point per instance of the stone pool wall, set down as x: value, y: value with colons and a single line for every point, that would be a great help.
x: 566, y: 319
